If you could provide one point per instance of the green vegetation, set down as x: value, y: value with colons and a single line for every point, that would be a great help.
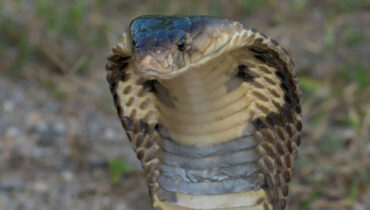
x: 14, y: 35
x: 353, y: 190
x: 355, y: 72
x: 309, y: 85
x: 354, y: 36
x: 331, y: 144
x: 70, y: 20
x: 118, y: 168
x: 250, y: 5
x: 348, y: 5
x: 319, y: 189
x: 53, y: 88
x: 329, y: 35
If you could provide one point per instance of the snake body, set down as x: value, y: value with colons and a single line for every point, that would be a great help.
x: 212, y: 109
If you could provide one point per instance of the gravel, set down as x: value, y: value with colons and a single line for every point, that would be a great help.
x: 54, y: 154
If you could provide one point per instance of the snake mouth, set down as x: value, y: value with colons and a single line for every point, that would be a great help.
x: 151, y: 73
x: 155, y: 74
x: 150, y: 67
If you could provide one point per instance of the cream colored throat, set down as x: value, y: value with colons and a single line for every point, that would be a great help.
x: 209, y: 104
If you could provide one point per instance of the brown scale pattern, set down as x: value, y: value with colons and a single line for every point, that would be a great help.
x: 277, y: 132
x: 142, y: 136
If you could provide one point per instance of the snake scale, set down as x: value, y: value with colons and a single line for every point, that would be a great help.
x: 212, y: 110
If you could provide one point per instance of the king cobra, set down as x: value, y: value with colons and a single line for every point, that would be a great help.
x: 212, y: 110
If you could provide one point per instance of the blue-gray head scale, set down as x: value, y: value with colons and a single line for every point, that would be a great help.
x: 163, y: 46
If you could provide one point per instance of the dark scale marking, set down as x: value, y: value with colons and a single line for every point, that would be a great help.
x: 285, y: 190
x: 257, y: 84
x: 244, y: 73
x: 160, y: 92
x: 281, y: 118
x: 109, y: 66
x: 167, y: 196
x: 149, y: 85
x: 298, y: 140
x: 160, y: 88
x: 259, y: 124
x: 290, y: 131
x: 274, y: 42
x: 115, y: 97
x: 262, y: 108
x: 143, y: 126
x: 260, y: 96
x: 299, y: 109
x: 139, y: 125
x: 279, y: 165
x: 279, y: 148
x: 299, y: 126
x: 268, y: 148
x: 268, y: 164
x: 130, y: 101
x: 257, y: 50
x: 121, y: 66
x: 260, y: 201
x: 289, y: 146
x: 162, y: 131
x: 119, y: 110
x: 118, y: 59
x: 261, y: 58
x: 165, y: 100
x: 288, y: 161
x: 266, y: 71
x: 282, y: 203
x: 286, y: 176
x: 113, y: 77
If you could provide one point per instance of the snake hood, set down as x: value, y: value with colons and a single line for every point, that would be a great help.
x: 212, y: 110
x: 164, y: 46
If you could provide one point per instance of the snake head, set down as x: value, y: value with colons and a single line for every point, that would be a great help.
x: 164, y: 46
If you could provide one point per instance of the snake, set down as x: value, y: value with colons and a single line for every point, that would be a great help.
x: 212, y: 110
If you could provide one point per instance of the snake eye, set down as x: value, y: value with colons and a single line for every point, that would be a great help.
x: 181, y: 45
x: 133, y: 43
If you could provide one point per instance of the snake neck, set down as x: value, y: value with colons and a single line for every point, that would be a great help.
x: 209, y: 156
x: 201, y: 107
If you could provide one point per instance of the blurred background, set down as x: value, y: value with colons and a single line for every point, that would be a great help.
x: 62, y: 146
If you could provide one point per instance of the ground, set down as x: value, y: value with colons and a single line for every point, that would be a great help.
x: 62, y: 146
